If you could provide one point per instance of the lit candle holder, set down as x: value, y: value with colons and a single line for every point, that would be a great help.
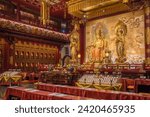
x: 79, y: 56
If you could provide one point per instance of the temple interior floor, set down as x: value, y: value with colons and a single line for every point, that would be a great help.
x: 3, y: 89
x: 29, y: 85
x: 131, y: 92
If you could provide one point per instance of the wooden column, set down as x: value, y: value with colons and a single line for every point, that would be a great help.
x: 59, y: 54
x: 6, y: 56
x: 147, y: 34
x: 2, y: 47
x: 9, y: 55
x: 82, y: 42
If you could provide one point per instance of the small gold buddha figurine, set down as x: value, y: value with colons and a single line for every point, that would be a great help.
x: 74, y: 43
x: 99, y: 81
x: 100, y: 44
x: 84, y: 80
x: 93, y: 82
x: 111, y: 82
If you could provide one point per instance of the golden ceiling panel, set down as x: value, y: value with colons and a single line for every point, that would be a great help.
x: 116, y: 8
x: 95, y: 8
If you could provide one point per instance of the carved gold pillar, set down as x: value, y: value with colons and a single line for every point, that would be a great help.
x: 147, y: 34
x: 45, y: 12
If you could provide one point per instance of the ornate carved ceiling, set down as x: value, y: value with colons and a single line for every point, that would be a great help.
x: 98, y: 8
x: 80, y: 8
x: 57, y: 6
x: 37, y: 2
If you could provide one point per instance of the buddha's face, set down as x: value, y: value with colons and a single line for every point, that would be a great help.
x: 120, y: 32
x: 98, y: 33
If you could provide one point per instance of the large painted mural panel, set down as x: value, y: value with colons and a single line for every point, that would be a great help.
x: 119, y: 38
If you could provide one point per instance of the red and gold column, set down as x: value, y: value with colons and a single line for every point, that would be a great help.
x: 147, y: 34
x: 82, y: 42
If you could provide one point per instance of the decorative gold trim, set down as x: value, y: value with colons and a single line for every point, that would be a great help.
x: 45, y: 12
x: 108, y: 10
x: 33, y: 30
x: 95, y: 8
x: 76, y: 5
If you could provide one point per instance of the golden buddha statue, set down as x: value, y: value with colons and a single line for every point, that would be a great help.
x: 100, y: 45
x: 74, y: 43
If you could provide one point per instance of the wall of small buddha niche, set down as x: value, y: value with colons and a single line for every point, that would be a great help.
x: 119, y: 38
x: 29, y: 56
x: 26, y: 55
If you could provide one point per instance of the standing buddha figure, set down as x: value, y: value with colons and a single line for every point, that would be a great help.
x: 100, y: 45
x: 121, y: 32
x: 74, y: 43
